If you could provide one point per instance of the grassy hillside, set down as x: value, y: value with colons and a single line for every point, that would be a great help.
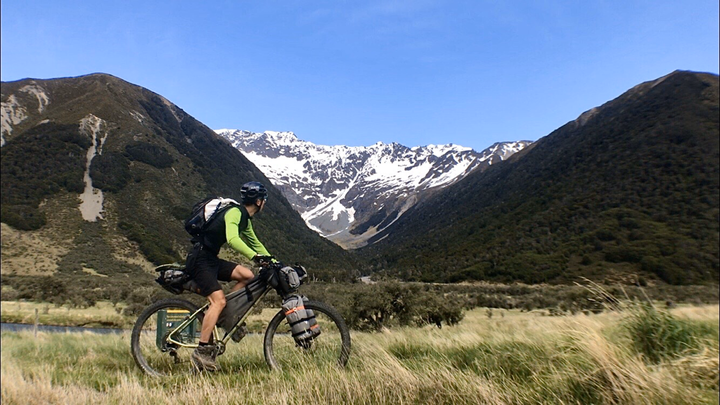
x: 628, y: 192
x: 155, y: 163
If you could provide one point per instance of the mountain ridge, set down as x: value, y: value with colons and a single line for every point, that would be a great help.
x: 140, y: 162
x: 350, y: 193
x: 627, y: 191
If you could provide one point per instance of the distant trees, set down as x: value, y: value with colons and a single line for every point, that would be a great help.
x: 373, y: 307
x: 45, y: 160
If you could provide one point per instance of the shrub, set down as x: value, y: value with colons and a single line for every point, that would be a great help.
x: 22, y: 217
x: 133, y: 309
x: 110, y: 171
x: 658, y: 335
x: 396, y: 304
x: 153, y: 155
x: 46, y: 159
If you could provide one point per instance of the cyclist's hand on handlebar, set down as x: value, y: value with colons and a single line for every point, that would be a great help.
x: 262, y: 260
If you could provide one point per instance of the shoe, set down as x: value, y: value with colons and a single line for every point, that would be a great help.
x: 239, y: 333
x: 204, y: 358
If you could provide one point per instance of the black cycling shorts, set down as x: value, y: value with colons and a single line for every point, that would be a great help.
x: 206, y: 269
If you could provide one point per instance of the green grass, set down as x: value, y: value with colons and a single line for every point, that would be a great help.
x: 518, y: 358
x: 658, y: 335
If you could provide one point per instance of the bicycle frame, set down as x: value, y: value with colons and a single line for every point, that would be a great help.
x: 167, y: 327
x: 216, y: 333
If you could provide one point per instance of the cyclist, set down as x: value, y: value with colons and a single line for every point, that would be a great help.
x: 206, y: 268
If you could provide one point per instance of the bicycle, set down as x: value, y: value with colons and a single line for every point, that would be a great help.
x: 166, y: 332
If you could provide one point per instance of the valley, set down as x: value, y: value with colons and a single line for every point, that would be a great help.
x: 102, y: 173
x: 351, y: 194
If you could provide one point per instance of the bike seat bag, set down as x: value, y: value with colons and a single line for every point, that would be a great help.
x: 172, y: 277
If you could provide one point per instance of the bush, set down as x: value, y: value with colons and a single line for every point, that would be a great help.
x: 658, y: 335
x: 22, y: 217
x: 110, y: 171
x: 45, y: 160
x: 438, y: 309
x: 133, y: 309
x: 397, y: 304
x: 153, y: 155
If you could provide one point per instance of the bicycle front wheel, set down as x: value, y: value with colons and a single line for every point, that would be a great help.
x: 158, y: 347
x: 331, y: 348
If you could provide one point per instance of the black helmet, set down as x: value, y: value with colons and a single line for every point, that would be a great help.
x: 252, y: 191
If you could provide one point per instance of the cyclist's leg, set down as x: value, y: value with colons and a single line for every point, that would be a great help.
x: 217, y: 304
x: 204, y: 355
x: 242, y: 275
x: 205, y: 274
x: 230, y: 271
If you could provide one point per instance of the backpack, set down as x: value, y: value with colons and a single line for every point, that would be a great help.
x: 205, y: 211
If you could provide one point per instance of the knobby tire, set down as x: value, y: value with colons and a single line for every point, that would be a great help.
x: 331, y: 347
x: 151, y: 359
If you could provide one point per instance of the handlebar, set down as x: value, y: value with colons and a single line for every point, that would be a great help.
x: 263, y: 260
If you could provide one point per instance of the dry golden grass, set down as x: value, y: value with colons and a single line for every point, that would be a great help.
x: 29, y: 253
x: 519, y: 358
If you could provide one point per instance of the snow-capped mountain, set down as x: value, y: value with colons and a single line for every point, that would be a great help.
x: 349, y: 194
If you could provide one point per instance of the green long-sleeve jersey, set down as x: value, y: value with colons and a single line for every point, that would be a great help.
x: 252, y: 245
x: 236, y: 230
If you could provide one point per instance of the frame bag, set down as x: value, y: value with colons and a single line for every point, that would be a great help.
x: 237, y: 303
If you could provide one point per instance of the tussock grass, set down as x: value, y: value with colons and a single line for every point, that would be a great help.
x: 659, y: 335
x: 521, y: 358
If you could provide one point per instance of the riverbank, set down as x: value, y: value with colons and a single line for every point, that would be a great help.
x: 24, y: 327
x: 102, y: 315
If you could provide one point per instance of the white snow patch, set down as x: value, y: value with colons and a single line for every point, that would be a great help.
x: 275, y: 168
x: 91, y: 206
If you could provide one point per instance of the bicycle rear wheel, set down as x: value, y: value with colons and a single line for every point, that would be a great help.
x: 331, y: 348
x: 151, y: 349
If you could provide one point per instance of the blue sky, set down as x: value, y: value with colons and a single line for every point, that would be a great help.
x: 358, y: 72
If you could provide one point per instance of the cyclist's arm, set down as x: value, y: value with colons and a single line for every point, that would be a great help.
x: 232, y: 222
x: 253, y: 240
